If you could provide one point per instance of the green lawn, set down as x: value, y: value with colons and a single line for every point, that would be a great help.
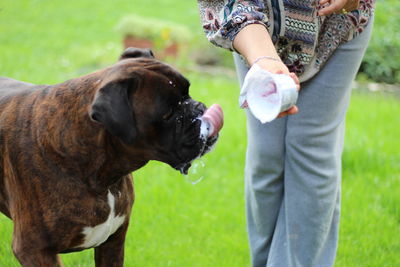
x: 176, y: 223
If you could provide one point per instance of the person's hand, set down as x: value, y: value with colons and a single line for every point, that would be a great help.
x: 337, y: 6
x: 253, y: 42
x: 279, y: 68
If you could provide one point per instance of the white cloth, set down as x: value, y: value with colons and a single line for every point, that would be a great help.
x: 267, y: 94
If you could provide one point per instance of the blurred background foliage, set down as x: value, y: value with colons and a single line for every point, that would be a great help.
x: 382, y: 60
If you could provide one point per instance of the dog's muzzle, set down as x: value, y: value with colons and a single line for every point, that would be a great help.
x: 191, y: 144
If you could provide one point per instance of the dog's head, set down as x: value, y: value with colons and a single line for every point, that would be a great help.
x: 146, y: 105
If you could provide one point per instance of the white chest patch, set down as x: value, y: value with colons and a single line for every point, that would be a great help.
x: 94, y: 236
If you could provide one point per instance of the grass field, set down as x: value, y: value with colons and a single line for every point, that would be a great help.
x: 176, y: 223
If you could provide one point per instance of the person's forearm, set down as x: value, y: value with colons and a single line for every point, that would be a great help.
x: 254, y: 41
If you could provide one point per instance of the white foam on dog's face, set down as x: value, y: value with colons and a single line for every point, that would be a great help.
x: 95, y: 236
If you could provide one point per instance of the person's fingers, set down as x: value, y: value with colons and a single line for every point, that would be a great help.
x: 293, y: 110
x: 351, y: 5
x: 347, y: 5
x: 335, y: 6
x: 296, y: 79
x: 323, y: 2
x: 282, y: 114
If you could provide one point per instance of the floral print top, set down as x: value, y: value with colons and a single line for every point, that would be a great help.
x: 304, y: 41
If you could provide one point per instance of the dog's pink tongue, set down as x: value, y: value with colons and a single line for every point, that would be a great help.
x: 215, y: 116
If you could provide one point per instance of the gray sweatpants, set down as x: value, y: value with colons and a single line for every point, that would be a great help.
x: 293, y: 168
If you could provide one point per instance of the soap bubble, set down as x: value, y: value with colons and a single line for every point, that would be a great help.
x: 196, y: 172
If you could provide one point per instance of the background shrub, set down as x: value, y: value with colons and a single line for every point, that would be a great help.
x: 382, y: 60
x: 152, y: 28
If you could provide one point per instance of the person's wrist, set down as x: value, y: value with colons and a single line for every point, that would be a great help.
x: 266, y: 58
x: 273, y: 66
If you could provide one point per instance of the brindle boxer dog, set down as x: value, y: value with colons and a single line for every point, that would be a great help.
x: 67, y: 151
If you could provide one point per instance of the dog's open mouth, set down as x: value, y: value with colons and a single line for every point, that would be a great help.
x: 184, y: 168
x: 207, y: 145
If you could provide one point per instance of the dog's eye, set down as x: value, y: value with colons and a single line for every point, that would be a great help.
x: 167, y: 116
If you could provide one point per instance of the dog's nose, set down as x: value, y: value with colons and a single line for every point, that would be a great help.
x: 193, y: 108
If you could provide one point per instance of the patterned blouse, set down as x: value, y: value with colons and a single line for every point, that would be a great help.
x: 304, y: 41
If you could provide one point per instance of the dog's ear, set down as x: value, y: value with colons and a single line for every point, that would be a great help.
x: 112, y: 107
x: 133, y: 52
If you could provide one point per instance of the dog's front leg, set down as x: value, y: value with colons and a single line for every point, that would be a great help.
x: 37, y: 258
x: 30, y: 250
x: 111, y: 252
